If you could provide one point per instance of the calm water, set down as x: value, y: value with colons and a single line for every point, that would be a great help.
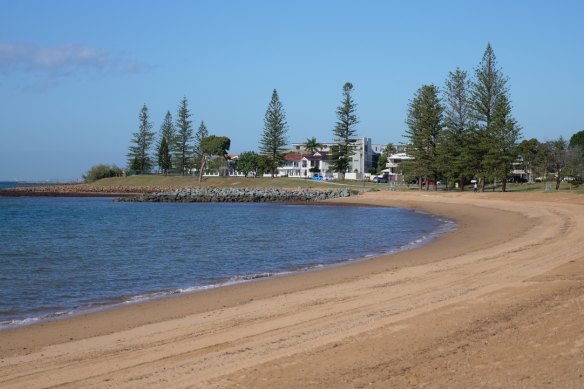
x: 64, y: 255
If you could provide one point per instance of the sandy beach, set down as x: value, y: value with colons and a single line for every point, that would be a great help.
x: 497, y: 303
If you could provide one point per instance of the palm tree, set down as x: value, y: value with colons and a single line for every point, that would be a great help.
x: 312, y: 145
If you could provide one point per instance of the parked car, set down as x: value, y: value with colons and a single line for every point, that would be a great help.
x: 380, y: 179
x: 317, y: 177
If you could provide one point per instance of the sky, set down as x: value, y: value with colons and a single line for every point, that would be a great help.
x: 75, y: 74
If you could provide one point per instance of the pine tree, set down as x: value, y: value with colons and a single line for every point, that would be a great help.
x: 201, y: 134
x: 344, y: 133
x: 488, y: 86
x: 274, y: 136
x: 167, y: 134
x: 425, y: 132
x: 139, y: 152
x: 167, y: 129
x: 183, y: 148
x: 503, y: 135
x: 456, y: 149
x: 164, y: 158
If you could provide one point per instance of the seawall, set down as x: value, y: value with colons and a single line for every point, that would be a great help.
x: 240, y: 195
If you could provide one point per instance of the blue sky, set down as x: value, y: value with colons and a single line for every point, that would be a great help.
x: 75, y: 74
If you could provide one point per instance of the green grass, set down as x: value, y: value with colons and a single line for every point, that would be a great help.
x: 532, y: 187
x: 539, y: 187
x: 242, y: 182
x: 218, y: 182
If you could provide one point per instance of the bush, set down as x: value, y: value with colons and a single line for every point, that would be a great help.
x: 98, y: 172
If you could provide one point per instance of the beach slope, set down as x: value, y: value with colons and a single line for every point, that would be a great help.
x: 499, y: 302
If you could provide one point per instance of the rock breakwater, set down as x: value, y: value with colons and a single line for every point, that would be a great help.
x: 238, y: 195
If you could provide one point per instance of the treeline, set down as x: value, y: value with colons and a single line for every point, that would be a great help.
x: 466, y: 131
x: 274, y: 138
x: 176, y: 148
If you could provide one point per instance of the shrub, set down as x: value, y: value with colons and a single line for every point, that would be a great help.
x: 100, y: 171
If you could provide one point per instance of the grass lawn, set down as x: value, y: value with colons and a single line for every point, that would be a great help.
x: 532, y: 187
x: 217, y: 182
x: 288, y: 182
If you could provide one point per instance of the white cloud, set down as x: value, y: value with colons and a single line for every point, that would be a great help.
x: 60, y: 61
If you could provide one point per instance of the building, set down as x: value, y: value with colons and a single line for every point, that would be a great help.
x: 305, y: 164
x: 394, y: 168
x: 362, y: 159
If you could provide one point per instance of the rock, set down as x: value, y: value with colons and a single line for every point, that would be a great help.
x: 195, y: 195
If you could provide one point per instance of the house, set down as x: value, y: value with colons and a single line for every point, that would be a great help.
x: 361, y: 161
x: 394, y: 168
x: 304, y: 164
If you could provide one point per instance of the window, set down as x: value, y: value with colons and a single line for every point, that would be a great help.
x: 304, y: 163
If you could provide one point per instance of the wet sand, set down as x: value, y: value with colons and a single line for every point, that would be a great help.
x: 499, y: 302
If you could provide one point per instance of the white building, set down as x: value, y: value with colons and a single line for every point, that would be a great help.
x: 305, y: 164
x: 361, y: 161
x: 394, y: 168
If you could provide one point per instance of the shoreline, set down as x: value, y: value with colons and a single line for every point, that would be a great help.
x: 312, y: 316
x: 237, y: 287
x: 122, y: 301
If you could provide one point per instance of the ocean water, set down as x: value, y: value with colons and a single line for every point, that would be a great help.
x: 62, y: 256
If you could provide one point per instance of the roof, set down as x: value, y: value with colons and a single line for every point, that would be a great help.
x: 293, y: 157
x: 318, y: 156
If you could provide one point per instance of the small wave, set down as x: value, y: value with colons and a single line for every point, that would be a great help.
x: 4, y: 325
x: 249, y: 277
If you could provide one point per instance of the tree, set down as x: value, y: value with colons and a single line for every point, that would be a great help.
x: 167, y: 133
x: 488, y: 86
x: 100, y: 171
x: 558, y: 154
x: 502, y: 134
x: 563, y: 160
x: 344, y: 133
x: 425, y: 131
x: 575, y: 165
x: 577, y: 140
x: 183, y: 148
x: 201, y: 134
x: 389, y: 149
x: 274, y: 136
x: 384, y: 157
x: 139, y: 153
x: 249, y: 162
x: 213, y: 146
x: 531, y: 155
x: 456, y: 151
x: 312, y: 145
x: 261, y: 165
x: 381, y: 162
x: 164, y: 158
x: 576, y: 156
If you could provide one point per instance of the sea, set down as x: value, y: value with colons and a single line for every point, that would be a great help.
x: 62, y: 256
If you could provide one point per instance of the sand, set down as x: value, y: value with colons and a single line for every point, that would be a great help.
x: 497, y: 303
